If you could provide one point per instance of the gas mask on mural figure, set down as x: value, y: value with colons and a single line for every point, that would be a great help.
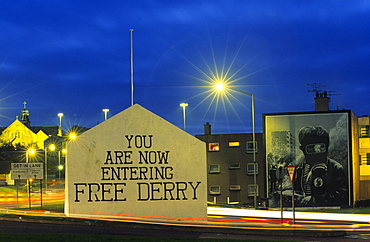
x: 315, y: 150
x: 315, y: 153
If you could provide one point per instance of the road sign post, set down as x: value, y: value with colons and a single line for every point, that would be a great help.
x: 291, y: 172
x: 280, y: 173
x: 16, y: 182
x: 26, y: 171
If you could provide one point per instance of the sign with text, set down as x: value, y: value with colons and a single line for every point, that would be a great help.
x: 27, y: 170
x: 136, y: 163
x: 291, y: 172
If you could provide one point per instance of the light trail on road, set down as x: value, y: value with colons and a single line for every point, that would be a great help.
x: 217, y: 217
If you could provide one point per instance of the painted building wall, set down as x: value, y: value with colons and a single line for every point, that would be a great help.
x: 326, y: 163
x: 136, y: 163
x: 364, y: 156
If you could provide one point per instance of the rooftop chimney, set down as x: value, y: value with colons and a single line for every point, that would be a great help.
x: 207, y: 129
x: 322, y: 101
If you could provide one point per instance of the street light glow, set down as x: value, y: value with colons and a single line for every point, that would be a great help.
x: 183, y: 104
x: 72, y: 135
x: 220, y: 86
x: 221, y: 90
x: 52, y: 147
x: 31, y: 151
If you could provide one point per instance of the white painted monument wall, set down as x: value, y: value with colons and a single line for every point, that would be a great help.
x: 136, y: 163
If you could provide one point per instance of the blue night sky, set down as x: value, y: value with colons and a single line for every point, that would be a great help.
x: 74, y: 57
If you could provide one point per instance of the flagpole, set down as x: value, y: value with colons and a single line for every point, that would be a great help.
x: 132, y: 67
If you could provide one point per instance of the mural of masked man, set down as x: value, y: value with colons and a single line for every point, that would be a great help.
x: 320, y: 181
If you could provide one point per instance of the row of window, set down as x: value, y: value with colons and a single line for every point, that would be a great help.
x: 252, y: 168
x: 216, y: 189
x: 365, y: 159
x: 250, y: 145
x: 364, y: 131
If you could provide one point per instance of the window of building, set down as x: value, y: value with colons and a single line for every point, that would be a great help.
x: 16, y: 134
x: 234, y: 166
x: 214, y: 168
x: 275, y: 141
x: 213, y: 146
x: 234, y: 144
x: 252, y: 190
x: 365, y: 159
x: 214, y: 190
x: 251, y: 168
x: 364, y: 131
x: 234, y: 188
x: 251, y: 146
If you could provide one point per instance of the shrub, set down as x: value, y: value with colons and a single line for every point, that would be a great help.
x: 362, y: 203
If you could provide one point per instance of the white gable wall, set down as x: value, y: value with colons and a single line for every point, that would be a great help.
x: 136, y: 163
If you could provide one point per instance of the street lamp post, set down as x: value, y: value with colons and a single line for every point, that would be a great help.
x: 59, y: 165
x: 220, y: 87
x: 105, y: 110
x: 132, y: 67
x: 72, y: 135
x: 254, y: 146
x: 60, y: 132
x: 29, y: 152
x: 51, y: 147
x: 184, y: 105
x: 62, y: 164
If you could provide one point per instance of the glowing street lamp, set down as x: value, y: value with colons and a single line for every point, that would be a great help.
x: 30, y: 152
x: 184, y: 105
x: 219, y: 87
x: 105, y: 110
x: 52, y: 147
x: 72, y: 135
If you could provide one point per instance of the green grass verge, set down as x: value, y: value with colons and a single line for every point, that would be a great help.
x: 7, y: 190
x: 57, y: 207
x: 365, y: 210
